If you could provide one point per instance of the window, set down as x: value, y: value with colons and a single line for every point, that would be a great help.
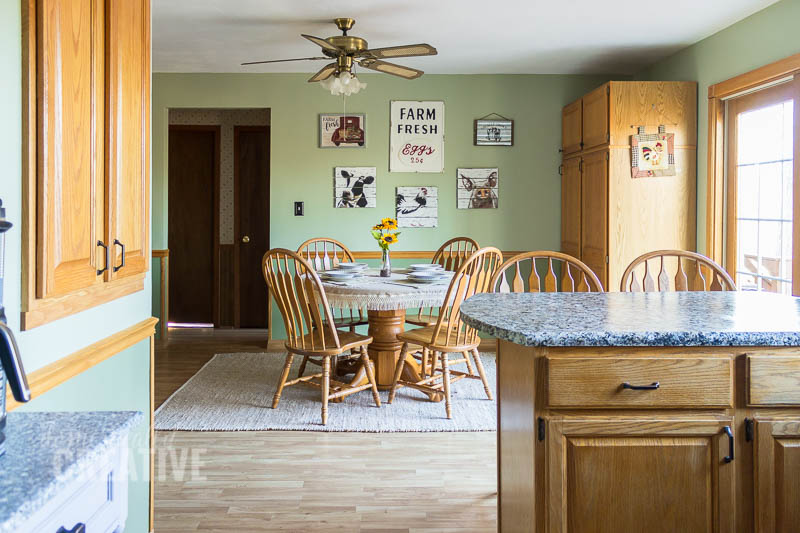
x: 753, y: 194
x: 760, y: 141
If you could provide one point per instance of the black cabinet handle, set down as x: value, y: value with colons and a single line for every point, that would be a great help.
x: 105, y: 248
x: 653, y: 386
x: 79, y: 528
x: 729, y: 458
x: 122, y: 263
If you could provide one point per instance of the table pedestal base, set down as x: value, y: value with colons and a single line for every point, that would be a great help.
x: 384, y: 350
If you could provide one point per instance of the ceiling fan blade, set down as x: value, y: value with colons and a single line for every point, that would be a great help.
x: 324, y: 73
x: 406, y: 50
x: 391, y: 68
x: 319, y: 41
x: 284, y: 60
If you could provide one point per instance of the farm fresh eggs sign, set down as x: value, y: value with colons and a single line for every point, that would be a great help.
x: 417, y: 137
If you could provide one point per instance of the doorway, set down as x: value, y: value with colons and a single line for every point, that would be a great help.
x: 251, y: 224
x: 193, y: 207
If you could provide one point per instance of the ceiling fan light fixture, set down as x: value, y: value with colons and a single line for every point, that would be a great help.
x: 343, y: 83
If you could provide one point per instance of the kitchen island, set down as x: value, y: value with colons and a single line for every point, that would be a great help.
x: 655, y: 412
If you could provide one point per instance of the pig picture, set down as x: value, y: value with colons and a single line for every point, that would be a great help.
x: 477, y: 188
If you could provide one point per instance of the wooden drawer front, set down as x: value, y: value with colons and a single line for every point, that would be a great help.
x: 598, y: 382
x: 773, y: 380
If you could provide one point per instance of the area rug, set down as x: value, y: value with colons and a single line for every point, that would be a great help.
x: 233, y: 392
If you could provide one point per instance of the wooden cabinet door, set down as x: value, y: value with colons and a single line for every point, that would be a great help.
x: 69, y: 203
x: 128, y: 108
x: 571, y: 207
x: 571, y: 127
x: 595, y: 117
x: 777, y: 475
x: 594, y: 214
x: 658, y: 475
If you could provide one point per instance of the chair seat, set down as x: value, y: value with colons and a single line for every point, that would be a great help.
x: 312, y: 343
x: 421, y: 319
x: 423, y: 336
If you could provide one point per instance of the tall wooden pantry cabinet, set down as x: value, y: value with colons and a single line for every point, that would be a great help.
x: 86, y: 182
x: 609, y: 218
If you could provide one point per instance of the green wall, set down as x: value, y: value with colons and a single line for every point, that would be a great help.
x: 120, y: 383
x: 766, y: 36
x: 529, y: 199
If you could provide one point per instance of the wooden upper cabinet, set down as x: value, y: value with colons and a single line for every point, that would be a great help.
x: 571, y: 127
x: 594, y: 214
x: 595, y: 117
x: 636, y: 474
x: 777, y: 483
x: 128, y: 111
x: 69, y: 170
x: 571, y: 207
x: 86, y: 183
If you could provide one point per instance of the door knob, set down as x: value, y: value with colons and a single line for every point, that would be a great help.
x: 246, y: 239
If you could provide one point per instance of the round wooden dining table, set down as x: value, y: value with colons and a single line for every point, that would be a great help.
x: 386, y: 301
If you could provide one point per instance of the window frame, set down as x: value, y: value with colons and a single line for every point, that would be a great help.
x: 718, y: 245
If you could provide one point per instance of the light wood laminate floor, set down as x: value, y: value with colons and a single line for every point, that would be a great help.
x: 312, y: 481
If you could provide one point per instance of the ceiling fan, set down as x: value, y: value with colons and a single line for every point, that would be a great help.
x: 346, y: 50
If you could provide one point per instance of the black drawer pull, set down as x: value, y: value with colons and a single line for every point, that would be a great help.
x: 79, y: 528
x: 122, y: 263
x: 729, y: 458
x: 653, y: 386
x: 105, y: 248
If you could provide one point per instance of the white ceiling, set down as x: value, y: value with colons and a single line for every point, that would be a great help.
x: 472, y: 36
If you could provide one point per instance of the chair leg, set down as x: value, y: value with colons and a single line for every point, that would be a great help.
x: 398, y: 371
x: 481, y: 372
x: 285, y: 374
x: 326, y: 383
x: 370, y: 375
x: 469, y: 364
x: 446, y: 382
x: 302, y: 366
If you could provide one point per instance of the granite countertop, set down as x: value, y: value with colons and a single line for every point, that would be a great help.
x: 637, y: 319
x: 45, y: 451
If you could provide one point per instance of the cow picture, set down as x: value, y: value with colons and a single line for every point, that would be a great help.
x: 477, y: 188
x: 354, y: 187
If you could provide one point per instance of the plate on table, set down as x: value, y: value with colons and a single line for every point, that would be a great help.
x: 338, y: 275
x: 425, y: 266
x: 426, y: 277
x: 352, y: 266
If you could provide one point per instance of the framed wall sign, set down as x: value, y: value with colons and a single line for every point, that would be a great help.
x: 337, y: 130
x: 416, y: 139
x: 494, y: 132
x: 354, y: 187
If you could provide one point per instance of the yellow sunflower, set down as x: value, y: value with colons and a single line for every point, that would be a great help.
x: 378, y: 227
x: 389, y: 223
x: 389, y: 238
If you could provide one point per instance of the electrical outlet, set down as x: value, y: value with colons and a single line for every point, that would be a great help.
x: 298, y: 209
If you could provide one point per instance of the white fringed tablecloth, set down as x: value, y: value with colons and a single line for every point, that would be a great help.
x: 374, y: 293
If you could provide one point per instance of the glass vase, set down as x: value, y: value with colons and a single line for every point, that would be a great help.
x: 386, y: 265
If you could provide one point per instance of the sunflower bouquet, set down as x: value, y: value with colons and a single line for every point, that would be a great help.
x: 386, y: 234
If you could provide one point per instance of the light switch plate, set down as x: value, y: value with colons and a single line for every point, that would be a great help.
x: 299, y: 209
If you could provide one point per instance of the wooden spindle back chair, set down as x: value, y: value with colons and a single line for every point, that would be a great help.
x: 451, y: 255
x: 450, y: 333
x: 692, y: 272
x: 310, y: 328
x: 539, y: 271
x: 323, y: 254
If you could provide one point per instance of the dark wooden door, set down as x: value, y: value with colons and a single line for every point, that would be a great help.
x: 251, y: 177
x: 193, y: 179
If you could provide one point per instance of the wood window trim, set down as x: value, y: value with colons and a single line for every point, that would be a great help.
x: 715, y: 178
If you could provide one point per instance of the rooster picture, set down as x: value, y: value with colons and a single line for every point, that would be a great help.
x: 416, y: 206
